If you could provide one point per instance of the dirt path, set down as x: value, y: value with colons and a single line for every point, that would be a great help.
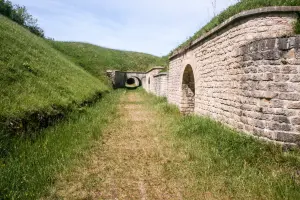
x: 132, y: 162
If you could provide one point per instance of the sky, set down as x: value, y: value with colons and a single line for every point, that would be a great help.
x: 150, y: 26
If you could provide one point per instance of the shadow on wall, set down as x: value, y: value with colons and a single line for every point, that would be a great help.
x: 188, y: 91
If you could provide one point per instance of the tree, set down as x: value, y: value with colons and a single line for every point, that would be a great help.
x: 20, y: 15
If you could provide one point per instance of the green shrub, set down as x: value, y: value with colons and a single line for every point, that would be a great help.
x: 20, y: 15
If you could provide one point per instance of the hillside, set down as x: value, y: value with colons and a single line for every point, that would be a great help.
x: 36, y: 78
x: 242, y: 5
x: 97, y: 60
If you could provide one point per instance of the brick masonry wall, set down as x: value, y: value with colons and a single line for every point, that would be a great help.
x: 161, y: 84
x: 251, y: 89
x: 150, y: 81
x: 270, y: 85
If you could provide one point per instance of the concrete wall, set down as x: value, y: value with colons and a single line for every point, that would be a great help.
x: 244, y: 75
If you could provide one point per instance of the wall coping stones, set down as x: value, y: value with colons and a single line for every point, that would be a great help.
x: 154, y: 68
x: 161, y: 74
x: 231, y: 20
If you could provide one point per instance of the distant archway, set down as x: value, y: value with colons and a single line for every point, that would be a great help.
x: 130, y: 81
x: 188, y: 91
x: 133, y: 82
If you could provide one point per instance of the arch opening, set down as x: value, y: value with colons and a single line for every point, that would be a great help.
x: 130, y: 81
x: 133, y: 82
x: 149, y: 87
x: 188, y: 91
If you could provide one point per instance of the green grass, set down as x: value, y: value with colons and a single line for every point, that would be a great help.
x: 31, y: 168
x: 35, y: 77
x: 227, y: 164
x: 97, y: 60
x: 242, y: 5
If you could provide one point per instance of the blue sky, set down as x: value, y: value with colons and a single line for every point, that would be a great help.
x: 150, y: 26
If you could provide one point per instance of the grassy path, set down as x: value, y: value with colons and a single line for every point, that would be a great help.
x: 132, y: 162
x: 150, y: 151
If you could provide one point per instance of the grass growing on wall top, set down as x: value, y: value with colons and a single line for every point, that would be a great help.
x: 242, y: 5
x: 227, y: 164
x: 35, y: 77
x: 97, y: 60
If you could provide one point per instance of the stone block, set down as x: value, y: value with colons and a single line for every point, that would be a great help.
x: 289, y: 96
x: 257, y: 56
x: 274, y: 103
x: 288, y: 137
x: 297, y: 42
x: 295, y: 121
x: 281, y: 119
x: 283, y: 44
x: 281, y: 77
x: 291, y: 54
x: 295, y: 78
x: 294, y: 105
x: 271, y: 55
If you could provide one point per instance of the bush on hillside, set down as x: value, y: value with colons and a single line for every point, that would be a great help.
x: 20, y: 15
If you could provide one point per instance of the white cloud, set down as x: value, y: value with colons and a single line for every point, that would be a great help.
x: 151, y: 26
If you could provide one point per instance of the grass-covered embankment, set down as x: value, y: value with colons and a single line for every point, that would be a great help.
x: 242, y: 5
x: 31, y: 168
x: 97, y: 60
x: 37, y: 81
x: 227, y: 164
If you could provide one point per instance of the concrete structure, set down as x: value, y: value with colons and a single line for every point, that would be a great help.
x: 120, y: 78
x: 244, y: 73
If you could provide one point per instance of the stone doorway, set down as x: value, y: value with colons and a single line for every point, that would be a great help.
x: 188, y: 91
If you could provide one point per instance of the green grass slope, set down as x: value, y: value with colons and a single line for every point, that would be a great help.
x: 97, y: 60
x: 35, y: 77
x: 242, y: 5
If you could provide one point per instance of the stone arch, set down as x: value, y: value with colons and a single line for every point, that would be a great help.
x: 133, y: 82
x: 187, y: 105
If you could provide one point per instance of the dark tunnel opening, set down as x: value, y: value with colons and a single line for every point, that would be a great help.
x: 130, y: 81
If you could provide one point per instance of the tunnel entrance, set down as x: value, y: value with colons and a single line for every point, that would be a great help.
x: 188, y: 91
x: 133, y: 83
x: 130, y: 81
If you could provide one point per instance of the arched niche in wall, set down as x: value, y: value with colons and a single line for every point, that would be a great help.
x: 149, y: 82
x: 188, y: 91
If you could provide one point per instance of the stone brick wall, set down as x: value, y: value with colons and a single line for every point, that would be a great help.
x: 150, y: 81
x: 270, y: 85
x: 161, y: 84
x: 245, y: 74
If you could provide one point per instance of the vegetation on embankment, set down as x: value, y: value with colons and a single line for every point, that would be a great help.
x: 97, y: 60
x: 31, y: 167
x: 227, y: 164
x: 20, y: 15
x: 242, y: 5
x: 36, y: 79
